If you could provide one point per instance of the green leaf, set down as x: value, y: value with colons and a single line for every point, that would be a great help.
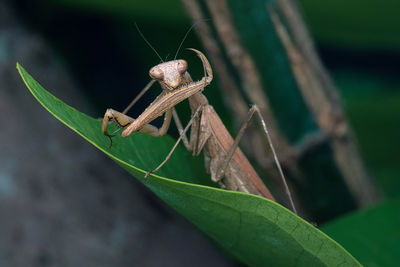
x: 253, y: 229
x: 373, y: 235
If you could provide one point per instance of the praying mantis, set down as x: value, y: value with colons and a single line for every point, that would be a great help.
x: 224, y: 160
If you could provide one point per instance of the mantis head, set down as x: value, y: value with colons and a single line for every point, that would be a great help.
x: 170, y: 73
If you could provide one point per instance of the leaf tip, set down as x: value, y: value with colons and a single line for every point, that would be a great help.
x: 20, y: 68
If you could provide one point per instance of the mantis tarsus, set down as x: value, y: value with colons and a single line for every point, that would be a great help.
x: 224, y: 160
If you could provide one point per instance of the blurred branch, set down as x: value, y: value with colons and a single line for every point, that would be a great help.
x: 247, y: 71
x: 250, y: 82
x: 322, y: 99
x: 255, y: 52
x: 232, y: 94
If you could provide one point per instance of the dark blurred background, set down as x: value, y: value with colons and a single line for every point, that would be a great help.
x: 62, y: 203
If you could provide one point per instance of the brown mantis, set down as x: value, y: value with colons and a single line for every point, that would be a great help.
x: 224, y: 160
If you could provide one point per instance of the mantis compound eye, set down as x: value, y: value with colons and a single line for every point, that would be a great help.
x: 182, y: 66
x: 156, y: 73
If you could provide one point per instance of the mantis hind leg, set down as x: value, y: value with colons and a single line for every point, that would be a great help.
x: 255, y: 110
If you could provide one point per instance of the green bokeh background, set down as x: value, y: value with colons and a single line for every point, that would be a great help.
x: 359, y: 42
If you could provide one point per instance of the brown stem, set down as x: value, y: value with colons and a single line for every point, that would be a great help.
x: 323, y: 101
x: 236, y: 104
x: 246, y: 69
x: 233, y: 96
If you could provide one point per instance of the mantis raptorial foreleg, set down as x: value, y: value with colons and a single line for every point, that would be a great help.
x: 123, y: 121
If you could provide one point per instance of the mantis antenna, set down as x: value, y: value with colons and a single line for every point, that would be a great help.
x: 184, y: 38
x: 187, y: 33
x: 144, y: 38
